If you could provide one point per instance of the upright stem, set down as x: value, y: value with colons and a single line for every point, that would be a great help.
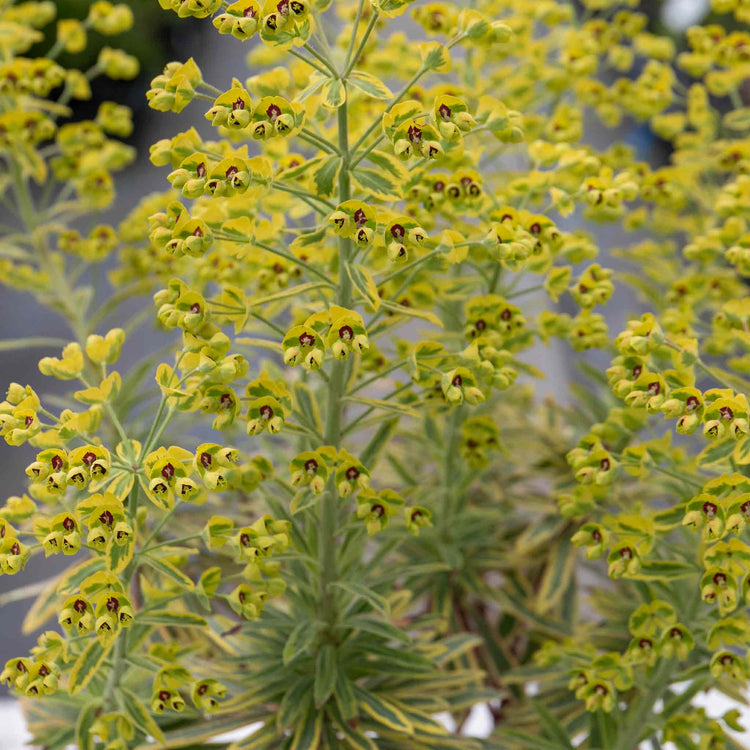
x: 336, y: 391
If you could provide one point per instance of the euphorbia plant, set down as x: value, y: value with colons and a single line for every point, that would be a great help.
x: 375, y: 526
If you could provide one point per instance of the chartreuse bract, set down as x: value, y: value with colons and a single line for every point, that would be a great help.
x: 330, y: 512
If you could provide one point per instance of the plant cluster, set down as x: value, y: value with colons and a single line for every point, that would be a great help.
x: 376, y: 525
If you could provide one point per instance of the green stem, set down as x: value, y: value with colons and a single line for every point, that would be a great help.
x: 310, y: 62
x: 303, y: 194
x: 291, y: 258
x: 409, y: 266
x: 316, y: 140
x: 353, y: 38
x: 351, y: 62
x: 528, y: 290
x: 702, y: 365
x: 327, y: 521
x: 159, y: 526
x: 321, y: 59
x: 396, y: 366
x: 640, y: 711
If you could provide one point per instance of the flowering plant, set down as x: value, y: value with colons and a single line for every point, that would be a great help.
x: 375, y: 529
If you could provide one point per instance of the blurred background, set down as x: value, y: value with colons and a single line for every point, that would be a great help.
x: 159, y: 37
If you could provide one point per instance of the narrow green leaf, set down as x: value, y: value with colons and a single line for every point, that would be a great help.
x: 299, y: 641
x: 392, y: 406
x: 378, y: 184
x: 382, y: 711
x: 176, y: 619
x: 552, y: 727
x: 87, y: 664
x: 514, y: 604
x: 370, y: 624
x: 307, y: 404
x: 307, y: 736
x: 325, y: 176
x: 346, y: 700
x: 358, y: 590
x: 411, y: 312
x: 86, y: 719
x: 455, y: 646
x: 356, y: 740
x: 557, y: 574
x: 32, y: 342
x: 364, y: 284
x: 303, y: 500
x: 325, y: 674
x: 715, y: 452
x: 667, y: 570
x: 369, y: 456
x: 165, y: 568
x: 294, y: 291
x: 119, y: 555
x: 140, y: 714
x: 295, y: 702
x: 526, y: 740
x: 369, y: 84
x: 389, y: 163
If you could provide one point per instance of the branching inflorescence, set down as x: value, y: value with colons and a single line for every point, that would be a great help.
x: 375, y: 526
